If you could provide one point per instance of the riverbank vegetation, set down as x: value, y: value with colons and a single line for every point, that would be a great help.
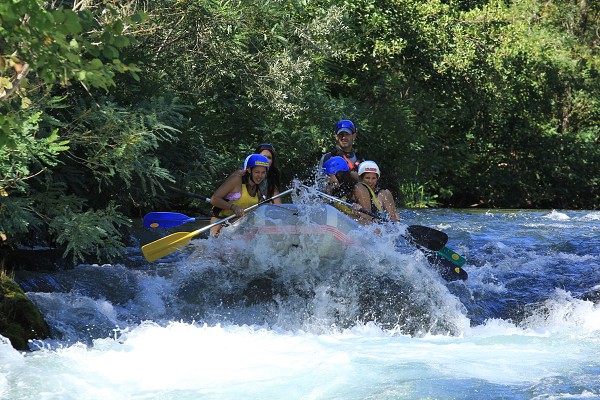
x: 111, y: 109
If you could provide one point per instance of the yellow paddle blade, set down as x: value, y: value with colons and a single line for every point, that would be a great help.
x: 167, y: 245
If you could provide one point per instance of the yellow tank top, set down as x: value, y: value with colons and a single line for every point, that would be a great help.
x: 244, y: 202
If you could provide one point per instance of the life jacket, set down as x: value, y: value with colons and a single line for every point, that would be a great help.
x: 343, y: 193
x: 375, y: 204
x: 352, y: 158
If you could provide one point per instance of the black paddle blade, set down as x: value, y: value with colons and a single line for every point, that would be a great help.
x: 449, y: 271
x: 426, y: 237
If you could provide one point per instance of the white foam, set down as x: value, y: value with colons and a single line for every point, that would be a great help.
x: 557, y: 216
x: 565, y: 315
x: 592, y: 216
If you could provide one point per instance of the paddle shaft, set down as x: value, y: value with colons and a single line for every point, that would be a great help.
x: 245, y: 210
x: 333, y: 198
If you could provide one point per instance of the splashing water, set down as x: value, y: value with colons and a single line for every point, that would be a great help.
x: 231, y: 318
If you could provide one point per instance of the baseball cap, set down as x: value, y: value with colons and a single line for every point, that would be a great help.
x: 345, y: 125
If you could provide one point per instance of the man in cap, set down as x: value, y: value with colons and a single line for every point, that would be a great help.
x: 345, y: 133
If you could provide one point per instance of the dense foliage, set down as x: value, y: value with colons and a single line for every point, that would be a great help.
x: 110, y: 109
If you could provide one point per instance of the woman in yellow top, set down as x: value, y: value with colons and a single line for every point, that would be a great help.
x: 272, y: 183
x: 240, y: 191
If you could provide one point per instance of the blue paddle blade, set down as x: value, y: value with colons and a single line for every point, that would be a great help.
x: 165, y: 219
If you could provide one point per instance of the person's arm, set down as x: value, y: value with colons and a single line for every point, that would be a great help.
x: 231, y: 185
x: 363, y: 201
x: 277, y: 200
x: 321, y: 162
x: 387, y: 201
x: 320, y: 175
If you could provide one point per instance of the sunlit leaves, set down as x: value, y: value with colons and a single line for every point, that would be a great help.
x: 46, y: 49
x: 56, y: 42
x: 91, y: 231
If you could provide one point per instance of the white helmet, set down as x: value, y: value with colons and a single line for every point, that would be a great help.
x: 368, y: 166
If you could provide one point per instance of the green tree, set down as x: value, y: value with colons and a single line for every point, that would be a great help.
x: 253, y: 73
x: 535, y: 118
x: 48, y: 54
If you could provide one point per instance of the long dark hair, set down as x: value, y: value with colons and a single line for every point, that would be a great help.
x: 346, y: 184
x: 274, y: 175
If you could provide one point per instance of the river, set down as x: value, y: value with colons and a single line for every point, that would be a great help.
x: 236, y: 320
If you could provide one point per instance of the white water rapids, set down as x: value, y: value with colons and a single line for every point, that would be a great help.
x: 381, y: 325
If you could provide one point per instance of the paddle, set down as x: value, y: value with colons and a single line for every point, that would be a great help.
x: 421, y: 236
x: 161, y: 219
x: 427, y: 237
x: 171, y: 243
x: 448, y: 270
x: 452, y: 256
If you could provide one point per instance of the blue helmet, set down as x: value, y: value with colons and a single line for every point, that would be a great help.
x: 334, y: 165
x: 256, y: 160
x: 345, y: 125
